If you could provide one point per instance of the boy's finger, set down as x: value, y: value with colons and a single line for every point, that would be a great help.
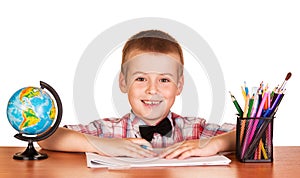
x: 178, y: 152
x: 189, y: 153
x: 142, y: 142
x: 145, y: 152
x: 169, y: 150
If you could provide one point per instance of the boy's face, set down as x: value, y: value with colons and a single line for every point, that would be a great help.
x: 152, y: 81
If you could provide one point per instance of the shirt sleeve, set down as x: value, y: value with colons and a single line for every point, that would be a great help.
x: 190, y: 128
x: 93, y: 128
x: 211, y: 129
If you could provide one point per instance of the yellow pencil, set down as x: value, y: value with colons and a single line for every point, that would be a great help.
x: 243, y: 124
x: 244, y: 93
x: 263, y: 150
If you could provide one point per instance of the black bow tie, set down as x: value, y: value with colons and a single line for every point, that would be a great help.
x: 164, y: 128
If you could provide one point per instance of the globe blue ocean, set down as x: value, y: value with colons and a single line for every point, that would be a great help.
x: 31, y: 111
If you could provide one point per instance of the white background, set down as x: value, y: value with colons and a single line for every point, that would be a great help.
x: 253, y: 41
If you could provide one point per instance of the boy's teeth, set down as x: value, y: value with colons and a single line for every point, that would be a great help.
x: 151, y: 102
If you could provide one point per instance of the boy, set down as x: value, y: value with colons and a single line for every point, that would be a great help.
x: 152, y: 76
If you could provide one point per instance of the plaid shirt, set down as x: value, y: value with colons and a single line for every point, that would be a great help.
x: 183, y: 128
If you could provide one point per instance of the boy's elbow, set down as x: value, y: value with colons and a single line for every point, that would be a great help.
x: 43, y: 144
x: 48, y: 143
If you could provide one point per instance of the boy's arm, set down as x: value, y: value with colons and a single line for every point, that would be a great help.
x: 65, y: 139
x: 72, y: 141
x: 202, y: 147
x: 225, y: 142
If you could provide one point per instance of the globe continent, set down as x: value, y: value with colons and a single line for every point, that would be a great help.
x: 31, y: 111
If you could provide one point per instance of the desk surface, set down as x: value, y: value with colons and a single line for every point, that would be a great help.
x: 59, y: 164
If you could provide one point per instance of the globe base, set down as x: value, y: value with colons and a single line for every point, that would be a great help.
x: 30, y: 154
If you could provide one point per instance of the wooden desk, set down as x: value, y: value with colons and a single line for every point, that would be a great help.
x: 286, y: 164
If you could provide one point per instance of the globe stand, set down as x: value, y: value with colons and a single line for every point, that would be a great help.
x: 30, y: 153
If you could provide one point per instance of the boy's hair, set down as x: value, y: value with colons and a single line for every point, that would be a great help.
x: 152, y: 41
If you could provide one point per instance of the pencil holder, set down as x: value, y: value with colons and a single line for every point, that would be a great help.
x: 254, y: 139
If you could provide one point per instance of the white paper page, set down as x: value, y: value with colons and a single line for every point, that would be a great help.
x: 97, y: 161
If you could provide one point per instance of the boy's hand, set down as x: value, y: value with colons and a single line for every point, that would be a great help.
x: 121, y: 147
x: 142, y: 142
x: 188, y: 148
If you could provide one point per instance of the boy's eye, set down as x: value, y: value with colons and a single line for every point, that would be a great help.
x: 140, y: 79
x: 164, y: 80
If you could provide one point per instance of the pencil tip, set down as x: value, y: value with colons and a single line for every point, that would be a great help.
x: 288, y: 76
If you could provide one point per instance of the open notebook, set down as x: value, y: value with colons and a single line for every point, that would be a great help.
x: 97, y: 161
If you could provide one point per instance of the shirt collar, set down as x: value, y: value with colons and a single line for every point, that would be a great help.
x: 138, y: 121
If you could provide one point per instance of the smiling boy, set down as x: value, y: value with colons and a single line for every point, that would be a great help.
x: 152, y: 76
x: 152, y: 81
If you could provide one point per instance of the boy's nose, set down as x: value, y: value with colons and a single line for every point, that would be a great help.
x: 152, y: 88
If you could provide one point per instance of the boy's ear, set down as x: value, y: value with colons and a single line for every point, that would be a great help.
x: 122, y: 83
x: 180, y: 84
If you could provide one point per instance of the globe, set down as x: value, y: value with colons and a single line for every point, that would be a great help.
x: 31, y: 111
x: 35, y: 115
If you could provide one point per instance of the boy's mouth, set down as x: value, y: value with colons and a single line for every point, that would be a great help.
x: 151, y: 102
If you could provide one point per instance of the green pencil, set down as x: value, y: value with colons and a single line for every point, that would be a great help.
x: 251, y: 101
x: 237, y: 106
